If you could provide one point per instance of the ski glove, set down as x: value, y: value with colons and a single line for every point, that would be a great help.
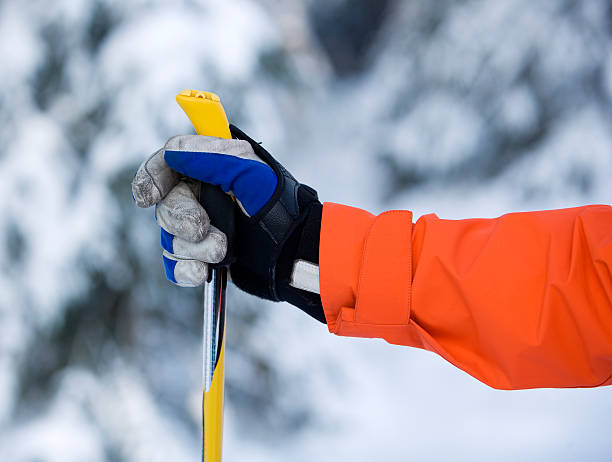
x: 270, y: 233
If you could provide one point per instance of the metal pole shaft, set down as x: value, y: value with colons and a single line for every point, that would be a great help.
x: 213, y: 343
x: 212, y: 299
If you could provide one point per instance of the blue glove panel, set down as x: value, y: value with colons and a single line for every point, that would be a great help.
x: 253, y: 183
x: 166, y: 240
x: 169, y: 268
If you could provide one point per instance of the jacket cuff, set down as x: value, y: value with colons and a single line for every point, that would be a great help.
x: 365, y: 264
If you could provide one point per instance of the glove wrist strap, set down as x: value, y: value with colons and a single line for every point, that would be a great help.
x: 302, y: 248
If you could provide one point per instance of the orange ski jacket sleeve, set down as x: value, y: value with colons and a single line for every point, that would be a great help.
x: 519, y: 301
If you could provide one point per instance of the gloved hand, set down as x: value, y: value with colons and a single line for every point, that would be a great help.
x: 272, y: 248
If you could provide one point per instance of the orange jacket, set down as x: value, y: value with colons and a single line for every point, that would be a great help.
x: 519, y: 301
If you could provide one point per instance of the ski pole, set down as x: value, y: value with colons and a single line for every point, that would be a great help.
x: 208, y: 117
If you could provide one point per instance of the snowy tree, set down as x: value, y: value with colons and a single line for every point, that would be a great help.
x: 464, y: 108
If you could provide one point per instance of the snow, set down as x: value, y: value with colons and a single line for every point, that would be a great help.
x: 100, y: 357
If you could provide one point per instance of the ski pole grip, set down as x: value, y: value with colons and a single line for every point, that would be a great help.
x: 208, y: 117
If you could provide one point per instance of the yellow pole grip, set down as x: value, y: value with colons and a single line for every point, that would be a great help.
x: 206, y: 113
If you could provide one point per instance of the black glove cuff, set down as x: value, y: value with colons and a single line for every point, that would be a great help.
x: 303, y: 244
x: 268, y: 243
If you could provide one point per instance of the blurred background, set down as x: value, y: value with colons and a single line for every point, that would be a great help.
x: 462, y: 108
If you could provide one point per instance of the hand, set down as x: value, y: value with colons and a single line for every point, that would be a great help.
x: 272, y: 248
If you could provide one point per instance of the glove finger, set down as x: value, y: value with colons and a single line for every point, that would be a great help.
x: 211, y: 249
x: 211, y: 144
x: 181, y: 214
x: 230, y: 164
x: 153, y: 180
x: 184, y: 273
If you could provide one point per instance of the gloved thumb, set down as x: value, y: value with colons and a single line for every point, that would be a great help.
x: 229, y: 163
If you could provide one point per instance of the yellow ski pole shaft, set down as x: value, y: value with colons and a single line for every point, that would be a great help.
x: 208, y: 117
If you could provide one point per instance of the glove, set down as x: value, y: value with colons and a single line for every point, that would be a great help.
x: 270, y: 239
